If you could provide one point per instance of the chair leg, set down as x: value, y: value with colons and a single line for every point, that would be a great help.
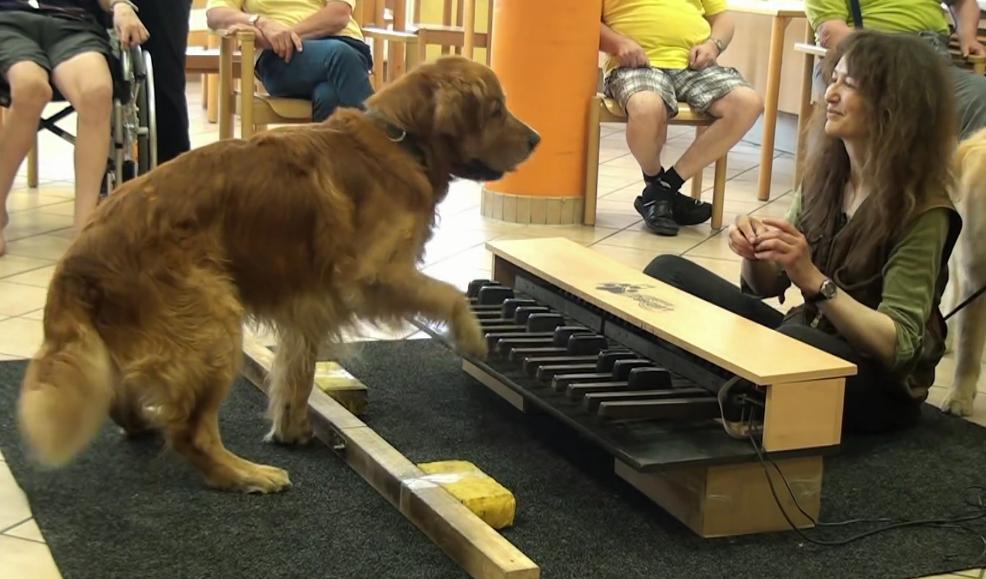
x: 719, y: 192
x: 697, y: 179
x: 591, y: 165
x: 32, y: 164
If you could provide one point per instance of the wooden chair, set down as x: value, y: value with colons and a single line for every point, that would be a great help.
x: 255, y: 107
x: 461, y: 36
x: 605, y: 110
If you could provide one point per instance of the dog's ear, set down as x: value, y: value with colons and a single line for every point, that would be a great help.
x: 458, y: 107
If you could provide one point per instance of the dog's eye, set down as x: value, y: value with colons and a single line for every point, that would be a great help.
x: 497, y: 110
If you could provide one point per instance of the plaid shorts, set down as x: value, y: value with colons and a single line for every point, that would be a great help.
x: 698, y: 88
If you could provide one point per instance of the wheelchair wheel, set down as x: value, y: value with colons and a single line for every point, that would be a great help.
x: 147, y: 116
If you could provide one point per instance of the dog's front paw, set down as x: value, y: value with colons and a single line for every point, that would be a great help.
x: 290, y: 433
x: 957, y: 403
x: 469, y: 339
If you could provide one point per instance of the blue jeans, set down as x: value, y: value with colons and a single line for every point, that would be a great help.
x: 329, y: 71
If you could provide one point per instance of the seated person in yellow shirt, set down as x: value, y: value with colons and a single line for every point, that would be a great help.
x: 662, y: 52
x: 312, y: 49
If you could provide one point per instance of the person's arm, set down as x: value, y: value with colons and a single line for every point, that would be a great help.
x: 892, y: 332
x: 967, y: 14
x: 129, y: 29
x: 328, y: 21
x: 722, y: 28
x: 828, y: 19
x: 625, y: 49
x: 225, y: 14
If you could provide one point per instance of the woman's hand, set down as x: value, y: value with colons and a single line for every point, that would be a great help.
x: 743, y: 235
x: 785, y: 245
x: 129, y: 29
x: 283, y: 41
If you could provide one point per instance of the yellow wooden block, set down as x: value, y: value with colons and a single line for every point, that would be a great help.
x: 482, y: 495
x: 335, y: 381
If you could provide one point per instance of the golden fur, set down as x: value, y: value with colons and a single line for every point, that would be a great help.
x: 967, y: 268
x: 307, y: 229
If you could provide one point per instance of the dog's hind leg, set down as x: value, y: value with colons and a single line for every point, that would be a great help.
x: 969, y: 340
x: 291, y: 385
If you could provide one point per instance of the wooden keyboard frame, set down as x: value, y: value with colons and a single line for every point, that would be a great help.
x: 804, y: 387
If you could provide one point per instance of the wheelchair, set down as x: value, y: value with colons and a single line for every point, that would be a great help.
x: 133, y: 124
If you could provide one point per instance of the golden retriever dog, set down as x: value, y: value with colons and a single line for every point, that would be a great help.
x: 307, y: 230
x: 967, y: 267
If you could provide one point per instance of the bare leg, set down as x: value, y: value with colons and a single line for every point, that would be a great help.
x: 647, y: 129
x: 86, y: 83
x: 29, y: 93
x: 291, y: 385
x: 735, y: 113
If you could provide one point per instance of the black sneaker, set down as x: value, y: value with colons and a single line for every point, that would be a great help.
x: 691, y: 211
x: 658, y: 215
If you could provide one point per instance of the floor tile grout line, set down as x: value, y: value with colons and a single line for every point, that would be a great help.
x: 15, y: 525
x: 35, y: 541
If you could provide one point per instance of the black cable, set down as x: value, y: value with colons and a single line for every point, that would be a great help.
x: 944, y: 523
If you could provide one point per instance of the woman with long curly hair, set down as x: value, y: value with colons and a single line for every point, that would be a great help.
x: 867, y: 238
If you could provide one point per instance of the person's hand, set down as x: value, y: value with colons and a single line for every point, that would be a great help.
x: 259, y: 40
x: 971, y: 47
x: 784, y: 244
x: 703, y: 55
x: 631, y: 55
x: 129, y: 29
x: 743, y: 236
x: 283, y: 41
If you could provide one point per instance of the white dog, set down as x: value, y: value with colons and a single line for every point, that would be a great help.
x: 967, y: 268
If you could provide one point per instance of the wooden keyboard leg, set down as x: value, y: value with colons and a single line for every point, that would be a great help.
x: 734, y: 499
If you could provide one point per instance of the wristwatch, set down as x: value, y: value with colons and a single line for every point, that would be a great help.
x: 719, y: 44
x: 253, y: 19
x: 826, y: 291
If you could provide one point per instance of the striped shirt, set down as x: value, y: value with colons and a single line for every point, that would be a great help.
x: 88, y: 10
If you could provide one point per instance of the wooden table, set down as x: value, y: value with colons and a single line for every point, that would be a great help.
x: 781, y: 12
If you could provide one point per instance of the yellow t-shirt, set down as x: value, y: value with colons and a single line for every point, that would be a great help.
x: 666, y: 29
x: 288, y: 12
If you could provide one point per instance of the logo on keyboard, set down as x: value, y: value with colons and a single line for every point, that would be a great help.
x: 634, y: 292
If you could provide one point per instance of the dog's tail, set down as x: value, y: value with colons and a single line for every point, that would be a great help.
x: 66, y: 393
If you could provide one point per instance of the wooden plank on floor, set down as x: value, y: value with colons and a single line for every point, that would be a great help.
x: 475, y: 546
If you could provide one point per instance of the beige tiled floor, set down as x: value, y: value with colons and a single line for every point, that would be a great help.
x: 38, y: 235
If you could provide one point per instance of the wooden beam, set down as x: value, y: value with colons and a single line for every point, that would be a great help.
x: 466, y: 539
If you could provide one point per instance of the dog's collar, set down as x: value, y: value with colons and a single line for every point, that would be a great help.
x: 396, y: 134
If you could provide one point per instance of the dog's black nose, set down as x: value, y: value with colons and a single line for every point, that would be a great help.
x: 534, y: 139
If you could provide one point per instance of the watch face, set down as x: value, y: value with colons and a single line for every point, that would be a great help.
x: 828, y: 289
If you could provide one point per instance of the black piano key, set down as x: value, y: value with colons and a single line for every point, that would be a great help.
x: 522, y: 313
x: 525, y: 340
x: 608, y: 357
x: 509, y: 306
x: 559, y: 382
x: 493, y: 337
x: 672, y: 408
x: 576, y: 390
x: 591, y: 401
x: 621, y: 368
x: 544, y: 322
x: 481, y: 315
x: 546, y: 373
x: 582, y: 344
x: 649, y: 377
x: 475, y: 285
x: 563, y: 333
x: 500, y: 326
x: 531, y: 363
x: 519, y: 354
x: 494, y: 295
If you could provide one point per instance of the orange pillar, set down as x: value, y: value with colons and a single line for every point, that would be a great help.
x: 545, y: 53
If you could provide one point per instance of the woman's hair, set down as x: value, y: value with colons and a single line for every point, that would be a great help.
x: 911, y: 127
